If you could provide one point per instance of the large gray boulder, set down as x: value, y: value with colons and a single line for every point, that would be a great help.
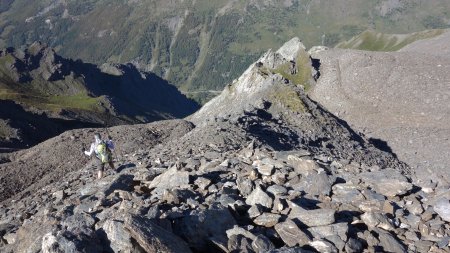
x: 389, y: 242
x: 172, y: 178
x: 312, y: 218
x: 118, y: 236
x: 291, y: 234
x: 80, y: 241
x: 388, y: 182
x: 152, y: 238
x: 258, y: 196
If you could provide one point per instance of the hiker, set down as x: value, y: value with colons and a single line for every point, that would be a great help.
x: 102, y: 150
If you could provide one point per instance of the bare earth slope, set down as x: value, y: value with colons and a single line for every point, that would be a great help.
x: 51, y: 160
x: 399, y: 97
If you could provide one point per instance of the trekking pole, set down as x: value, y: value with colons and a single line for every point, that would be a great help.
x: 83, y: 148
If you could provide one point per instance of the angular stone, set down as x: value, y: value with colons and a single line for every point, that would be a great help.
x: 120, y: 238
x: 415, y: 207
x: 153, y: 238
x: 80, y: 241
x: 375, y: 219
x: 291, y: 234
x: 444, y: 242
x: 371, y: 205
x: 59, y: 196
x: 346, y: 194
x: 290, y: 250
x: 323, y: 246
x: 336, y: 241
x: 354, y: 246
x: 279, y: 178
x: 78, y: 220
x: 170, y: 179
x: 145, y: 175
x: 245, y: 186
x: 316, y: 184
x: 10, y: 238
x: 388, y: 182
x: 280, y: 206
x: 262, y: 244
x: 202, y: 183
x: 258, y: 196
x: 255, y: 211
x: 410, y: 235
x: 267, y: 219
x: 302, y: 166
x: 312, y: 218
x: 423, y: 246
x: 389, y: 242
x: 442, y: 208
x: 226, y: 200
x: 276, y: 163
x: 266, y: 169
x: 239, y: 243
x: 277, y: 190
x: 240, y: 231
x: 339, y: 229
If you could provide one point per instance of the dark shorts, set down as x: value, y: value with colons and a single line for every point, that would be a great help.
x: 101, y: 166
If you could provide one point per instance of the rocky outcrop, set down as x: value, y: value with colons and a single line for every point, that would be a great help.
x: 242, y: 181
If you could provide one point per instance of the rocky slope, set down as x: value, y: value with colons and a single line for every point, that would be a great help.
x: 58, y: 94
x: 400, y: 97
x: 201, y: 45
x: 259, y: 174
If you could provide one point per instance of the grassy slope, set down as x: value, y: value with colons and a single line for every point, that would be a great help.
x: 373, y: 41
x: 214, y: 42
x: 34, y: 93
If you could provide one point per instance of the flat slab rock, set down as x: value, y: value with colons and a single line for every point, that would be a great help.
x: 312, y: 218
x: 172, y: 178
x: 153, y: 238
x: 388, y: 182
x: 291, y: 234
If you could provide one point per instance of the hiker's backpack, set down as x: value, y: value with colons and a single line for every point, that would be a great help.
x: 104, y: 153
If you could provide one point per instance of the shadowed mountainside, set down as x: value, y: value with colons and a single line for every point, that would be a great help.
x: 41, y: 81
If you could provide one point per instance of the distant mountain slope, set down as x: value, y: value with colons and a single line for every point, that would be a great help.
x: 200, y: 45
x: 40, y: 81
x: 374, y: 41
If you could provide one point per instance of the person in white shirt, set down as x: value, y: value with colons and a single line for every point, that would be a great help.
x: 102, y: 150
